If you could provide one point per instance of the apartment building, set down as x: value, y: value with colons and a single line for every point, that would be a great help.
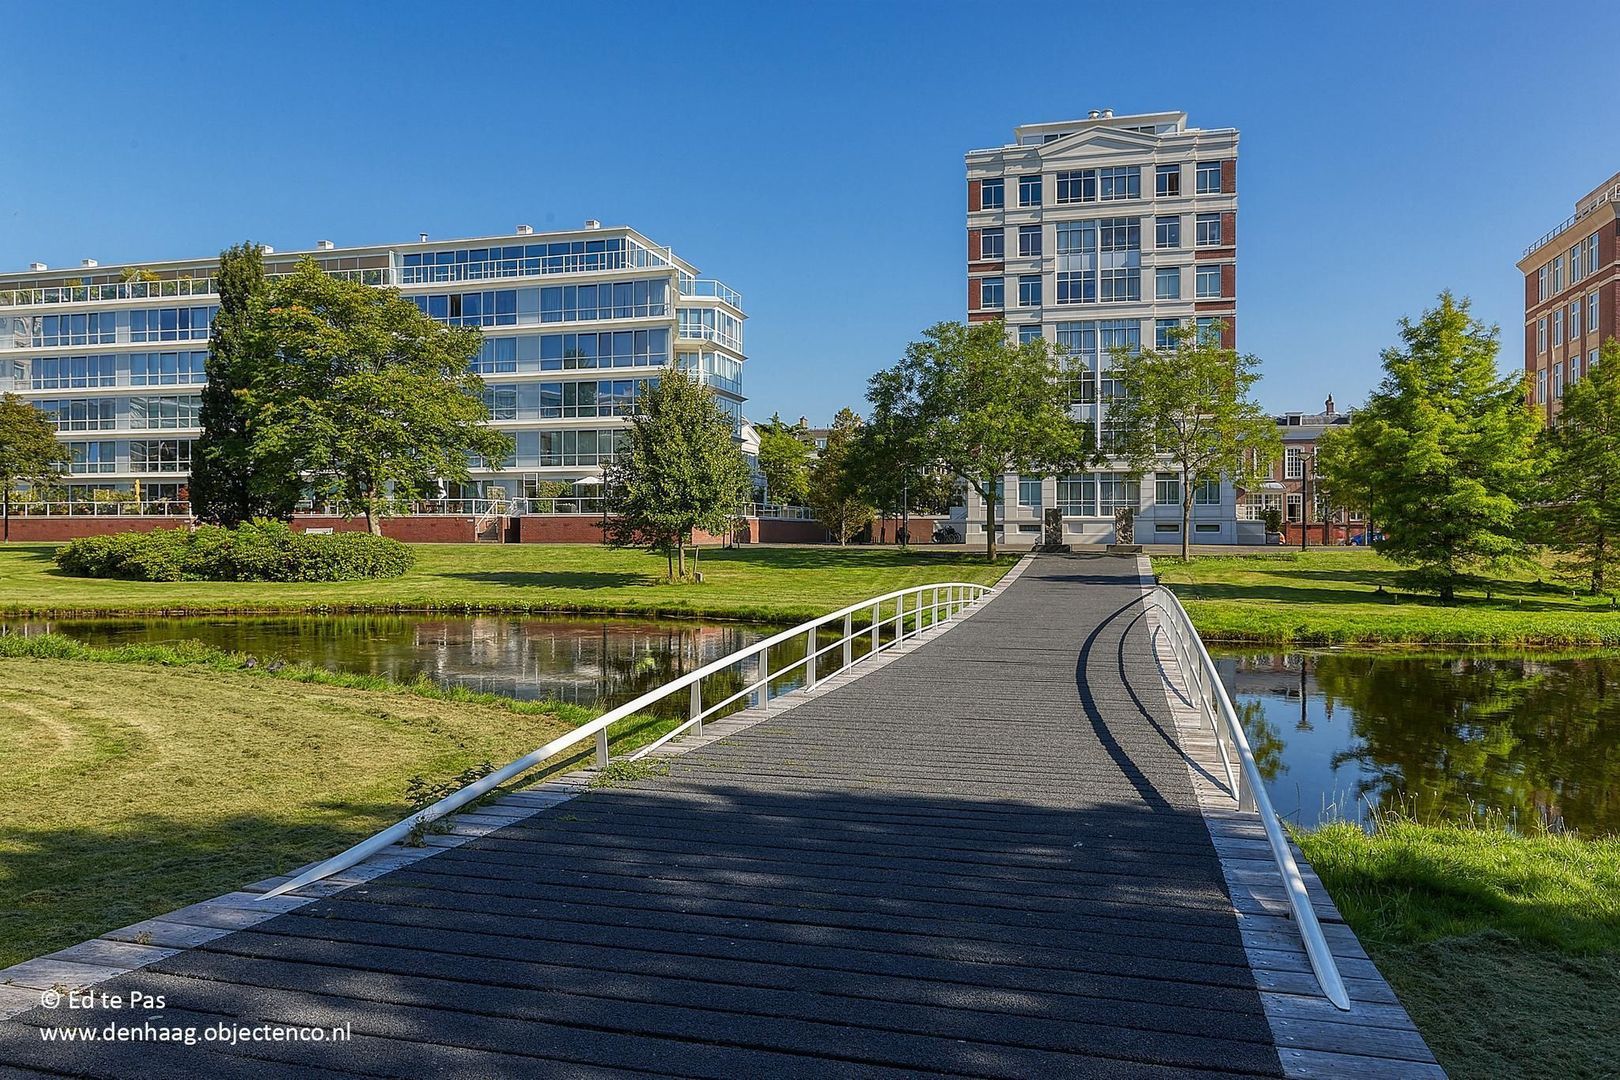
x: 1570, y: 296
x: 573, y: 321
x: 1289, y: 485
x: 1095, y: 234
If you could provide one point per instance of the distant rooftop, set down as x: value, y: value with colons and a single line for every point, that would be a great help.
x: 1155, y: 123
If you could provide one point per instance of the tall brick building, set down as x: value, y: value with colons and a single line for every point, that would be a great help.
x: 1570, y: 296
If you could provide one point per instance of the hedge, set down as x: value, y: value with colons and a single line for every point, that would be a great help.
x: 258, y: 551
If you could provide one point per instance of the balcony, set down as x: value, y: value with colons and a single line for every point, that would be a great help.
x: 584, y: 262
x: 166, y: 289
x: 719, y: 290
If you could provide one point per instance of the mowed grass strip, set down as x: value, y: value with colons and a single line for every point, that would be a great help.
x: 757, y: 583
x: 1505, y: 949
x: 129, y: 789
x: 1331, y: 597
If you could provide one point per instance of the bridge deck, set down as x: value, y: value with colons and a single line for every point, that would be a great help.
x: 985, y: 858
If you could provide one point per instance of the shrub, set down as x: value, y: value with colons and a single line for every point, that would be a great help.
x: 257, y: 551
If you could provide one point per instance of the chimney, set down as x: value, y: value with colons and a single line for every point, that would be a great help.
x: 1329, y: 407
x: 1108, y: 114
x: 421, y: 238
x: 325, y: 245
x: 525, y: 230
x: 1093, y: 114
x: 87, y: 263
x: 592, y: 223
x: 37, y: 266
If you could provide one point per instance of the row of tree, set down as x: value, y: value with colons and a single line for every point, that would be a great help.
x: 1451, y: 461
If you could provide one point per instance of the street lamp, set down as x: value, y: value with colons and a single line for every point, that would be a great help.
x: 1305, y: 462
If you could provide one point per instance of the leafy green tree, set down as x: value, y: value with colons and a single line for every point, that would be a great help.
x: 1578, y: 488
x: 1441, y: 455
x: 784, y: 458
x: 895, y: 477
x: 1190, y: 403
x: 365, y: 396
x: 29, y: 452
x: 680, y: 469
x: 972, y: 403
x: 229, y: 483
x: 836, y: 493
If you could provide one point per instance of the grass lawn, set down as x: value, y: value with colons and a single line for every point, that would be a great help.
x: 1331, y: 597
x: 128, y: 789
x: 1505, y: 949
x: 768, y: 584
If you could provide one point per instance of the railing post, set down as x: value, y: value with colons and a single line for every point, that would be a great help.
x: 810, y: 658
x: 601, y: 749
x: 849, y: 639
x: 697, y: 706
x: 933, y: 614
x: 877, y: 612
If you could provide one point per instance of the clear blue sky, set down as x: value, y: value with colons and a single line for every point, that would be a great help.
x: 811, y: 155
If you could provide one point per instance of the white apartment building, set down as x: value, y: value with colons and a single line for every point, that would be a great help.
x: 1094, y: 234
x: 572, y: 322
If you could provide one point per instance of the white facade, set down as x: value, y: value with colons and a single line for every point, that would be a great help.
x: 1094, y: 233
x: 571, y: 321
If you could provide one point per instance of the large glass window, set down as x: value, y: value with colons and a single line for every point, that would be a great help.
x: 1167, y: 180
x: 1119, y: 182
x: 1077, y: 186
x: 1207, y: 493
x: 168, y: 368
x: 1207, y: 284
x: 991, y: 292
x: 1077, y: 495
x: 1120, y: 334
x: 1120, y: 284
x: 1029, y: 492
x: 1167, y: 233
x: 1167, y: 489
x: 169, y: 411
x: 87, y: 328
x: 171, y: 324
x: 1167, y: 283
x: 1029, y: 290
x: 1164, y: 333
x: 1029, y: 191
x: 1117, y: 491
x: 65, y: 372
x: 1119, y: 234
x: 1207, y: 230
x: 992, y: 244
x: 1029, y: 332
x: 1591, y: 313
x: 1208, y: 179
x: 523, y: 260
x: 80, y: 414
x: 1029, y: 240
x: 1541, y: 334
x: 992, y: 194
x: 92, y: 457
x: 1077, y: 287
x: 160, y: 455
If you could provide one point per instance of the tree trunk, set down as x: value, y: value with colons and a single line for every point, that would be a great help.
x: 989, y: 524
x: 1186, y: 520
x: 1599, y: 554
x: 5, y: 515
x: 694, y: 558
x: 680, y: 554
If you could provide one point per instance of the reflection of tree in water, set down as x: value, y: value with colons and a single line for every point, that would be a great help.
x: 1265, y: 742
x: 1537, y: 739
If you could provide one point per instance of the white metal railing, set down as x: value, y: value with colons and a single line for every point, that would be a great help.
x: 921, y: 607
x: 710, y: 287
x: 1245, y: 781
x: 585, y: 262
x: 1612, y: 195
x: 166, y: 288
x: 782, y: 511
x: 103, y: 508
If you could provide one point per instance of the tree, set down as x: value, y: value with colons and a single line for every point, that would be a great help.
x: 978, y: 406
x: 835, y: 486
x: 895, y: 477
x: 1578, y: 488
x: 680, y: 469
x: 1441, y: 455
x: 29, y: 452
x: 365, y: 396
x: 230, y: 483
x: 784, y: 458
x: 1189, y: 403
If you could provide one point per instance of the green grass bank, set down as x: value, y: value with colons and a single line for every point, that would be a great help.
x: 1505, y: 949
x: 1332, y: 597
x: 756, y: 583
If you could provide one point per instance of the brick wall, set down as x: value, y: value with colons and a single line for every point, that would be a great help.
x: 56, y: 530
x: 1229, y: 176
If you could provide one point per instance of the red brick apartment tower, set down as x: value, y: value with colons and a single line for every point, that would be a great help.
x: 1101, y: 233
x: 1570, y: 295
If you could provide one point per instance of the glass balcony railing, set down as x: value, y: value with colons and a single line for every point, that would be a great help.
x: 157, y: 290
x: 581, y: 262
x: 709, y: 287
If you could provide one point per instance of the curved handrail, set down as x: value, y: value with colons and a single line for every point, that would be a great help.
x: 1213, y: 700
x: 958, y: 596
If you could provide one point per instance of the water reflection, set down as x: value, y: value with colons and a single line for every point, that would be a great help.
x: 593, y: 662
x: 1534, y: 738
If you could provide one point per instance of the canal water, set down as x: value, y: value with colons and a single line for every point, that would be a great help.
x: 1526, y: 737
x: 1529, y: 737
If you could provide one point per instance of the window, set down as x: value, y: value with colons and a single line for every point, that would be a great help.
x: 1592, y: 253
x: 176, y: 411
x: 1116, y: 491
x: 64, y: 372
x: 1119, y: 182
x: 1541, y: 334
x: 1167, y: 489
x: 1207, y: 493
x: 1575, y: 262
x: 1558, y: 380
x: 167, y: 368
x: 1167, y: 233
x: 1029, y: 332
x: 1591, y: 313
x: 1207, y: 328
x: 991, y: 292
x: 1077, y: 496
x: 1208, y: 179
x: 1077, y: 287
x: 81, y: 414
x: 1120, y: 285
x: 992, y: 194
x: 1296, y: 506
x: 93, y: 328
x: 1120, y: 334
x: 1574, y: 373
x: 1119, y: 234
x: 1558, y: 275
x: 1591, y: 361
x: 160, y: 455
x: 1293, y: 463
x: 1163, y: 333
x: 1541, y: 387
x: 92, y: 457
x: 1167, y: 283
x: 1029, y: 290
x: 1557, y: 322
x: 1207, y: 281
x: 992, y: 244
x: 519, y: 260
x: 1543, y: 282
x: 1167, y: 180
x: 1076, y: 237
x: 1207, y: 230
x: 1029, y: 240
x: 1029, y: 492
x: 1029, y: 191
x: 1077, y: 186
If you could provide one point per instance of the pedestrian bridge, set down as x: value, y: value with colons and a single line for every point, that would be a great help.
x: 1006, y: 845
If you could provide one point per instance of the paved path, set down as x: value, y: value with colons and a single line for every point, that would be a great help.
x: 983, y: 859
